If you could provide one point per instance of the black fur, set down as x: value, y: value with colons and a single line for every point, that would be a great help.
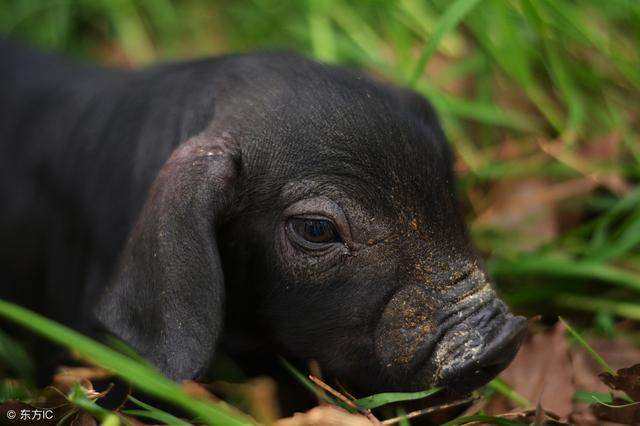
x: 142, y: 198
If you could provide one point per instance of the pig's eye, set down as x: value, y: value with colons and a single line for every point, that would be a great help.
x: 313, y: 233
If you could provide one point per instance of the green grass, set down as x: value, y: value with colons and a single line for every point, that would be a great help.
x: 380, y: 399
x: 141, y: 375
x: 588, y: 347
x: 499, y: 72
x: 508, y: 78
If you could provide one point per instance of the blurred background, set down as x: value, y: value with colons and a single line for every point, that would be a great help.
x: 539, y: 98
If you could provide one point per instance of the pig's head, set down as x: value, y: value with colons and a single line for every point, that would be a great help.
x: 330, y: 200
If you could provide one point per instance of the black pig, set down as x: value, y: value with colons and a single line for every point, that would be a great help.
x: 306, y: 201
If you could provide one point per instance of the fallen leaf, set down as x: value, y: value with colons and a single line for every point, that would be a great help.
x: 586, y: 166
x: 542, y: 373
x: 200, y: 391
x: 626, y: 380
x: 325, y: 415
x: 197, y: 390
x: 520, y: 206
x: 624, y: 414
x: 87, y: 373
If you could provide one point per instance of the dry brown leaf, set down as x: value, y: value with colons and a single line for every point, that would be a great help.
x: 617, y: 352
x: 262, y: 397
x: 197, y: 390
x: 541, y: 372
x: 546, y: 364
x: 623, y: 413
x: 519, y: 206
x: 604, y: 148
x: 325, y: 415
x: 88, y: 373
x: 258, y: 397
x: 586, y: 166
x: 584, y: 416
x: 529, y: 207
x: 626, y: 380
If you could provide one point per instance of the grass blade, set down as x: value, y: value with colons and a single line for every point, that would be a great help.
x: 484, y: 420
x: 591, y: 397
x: 452, y: 16
x: 79, y: 397
x: 141, y: 376
x: 560, y: 267
x: 157, y: 416
x: 307, y: 383
x: 593, y: 304
x: 153, y: 413
x: 111, y: 420
x: 588, y: 347
x: 380, y: 399
x: 16, y: 358
x: 321, y: 31
x: 506, y: 390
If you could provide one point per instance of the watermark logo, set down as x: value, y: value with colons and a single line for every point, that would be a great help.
x: 35, y: 414
x: 19, y: 413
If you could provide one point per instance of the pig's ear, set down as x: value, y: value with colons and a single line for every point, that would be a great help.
x: 419, y: 107
x: 417, y: 104
x: 167, y: 297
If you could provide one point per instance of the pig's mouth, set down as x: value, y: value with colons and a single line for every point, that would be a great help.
x: 476, y: 344
x: 469, y: 357
x: 467, y: 345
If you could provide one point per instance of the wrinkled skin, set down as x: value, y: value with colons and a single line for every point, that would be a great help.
x: 179, y: 187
